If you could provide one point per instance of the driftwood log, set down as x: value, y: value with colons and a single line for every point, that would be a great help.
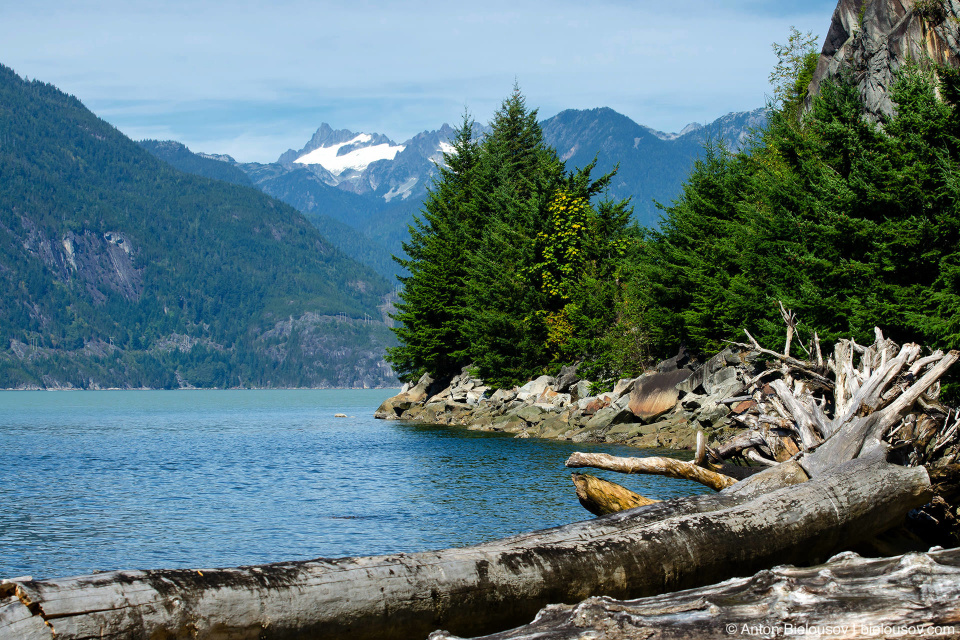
x: 600, y: 497
x: 668, y: 467
x: 659, y: 548
x: 915, y: 595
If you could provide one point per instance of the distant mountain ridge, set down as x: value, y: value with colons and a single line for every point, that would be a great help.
x: 652, y: 165
x: 364, y: 207
x: 117, y: 270
x: 363, y: 189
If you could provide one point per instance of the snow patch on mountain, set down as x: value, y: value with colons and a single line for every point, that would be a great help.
x: 403, y: 190
x: 350, y: 155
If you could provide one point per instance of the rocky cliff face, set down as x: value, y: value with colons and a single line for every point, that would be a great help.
x: 876, y: 38
x: 102, y: 263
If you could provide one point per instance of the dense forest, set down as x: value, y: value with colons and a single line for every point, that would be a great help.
x: 519, y: 265
x: 118, y: 270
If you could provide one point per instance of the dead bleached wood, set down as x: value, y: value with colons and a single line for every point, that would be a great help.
x: 847, y: 597
x: 489, y: 587
x: 754, y: 456
x: 700, y: 454
x: 852, y: 433
x: 668, y: 467
x: 800, y: 365
x: 600, y: 497
x: 17, y: 622
x: 743, y: 440
x: 802, y: 417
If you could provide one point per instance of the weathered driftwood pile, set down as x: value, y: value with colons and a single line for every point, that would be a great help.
x: 816, y: 414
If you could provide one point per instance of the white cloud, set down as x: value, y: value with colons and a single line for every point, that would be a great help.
x: 215, y: 71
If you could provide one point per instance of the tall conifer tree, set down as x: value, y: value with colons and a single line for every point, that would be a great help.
x: 433, y: 301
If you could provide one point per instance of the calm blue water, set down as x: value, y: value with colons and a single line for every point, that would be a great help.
x: 100, y: 480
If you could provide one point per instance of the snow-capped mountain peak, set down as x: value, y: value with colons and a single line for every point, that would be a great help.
x: 355, y: 154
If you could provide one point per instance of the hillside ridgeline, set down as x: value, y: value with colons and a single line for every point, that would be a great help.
x: 117, y: 270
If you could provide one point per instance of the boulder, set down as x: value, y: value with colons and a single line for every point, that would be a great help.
x: 656, y: 394
x: 694, y: 383
x: 420, y: 392
x: 512, y: 424
x: 589, y: 406
x: 567, y: 378
x: 712, y: 414
x: 393, y: 408
x: 723, y: 383
x: 443, y: 395
x: 503, y: 395
x: 561, y: 400
x: 531, y: 413
x: 622, y: 402
x: 623, y: 386
x: 608, y: 416
x: 536, y: 387
x: 580, y: 390
x: 555, y: 425
x: 628, y: 430
x: 476, y: 394
x: 678, y: 361
x: 547, y: 396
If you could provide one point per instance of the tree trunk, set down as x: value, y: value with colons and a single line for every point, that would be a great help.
x: 848, y: 597
x: 489, y: 587
x: 657, y: 466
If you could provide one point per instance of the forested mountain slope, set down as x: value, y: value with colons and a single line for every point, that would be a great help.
x: 118, y: 270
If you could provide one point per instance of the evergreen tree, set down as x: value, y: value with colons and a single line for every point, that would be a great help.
x: 519, y: 173
x: 495, y: 257
x: 850, y: 223
x: 433, y: 300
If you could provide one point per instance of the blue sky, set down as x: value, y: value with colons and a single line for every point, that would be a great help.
x: 253, y: 78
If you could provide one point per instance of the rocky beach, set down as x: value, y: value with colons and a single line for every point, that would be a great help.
x: 663, y: 408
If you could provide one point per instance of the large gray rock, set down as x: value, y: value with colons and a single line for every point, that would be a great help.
x: 608, y: 416
x: 567, y: 378
x: 580, y: 390
x: 723, y: 384
x: 694, y: 383
x: 531, y: 413
x: 503, y: 395
x: 885, y: 37
x: 536, y: 387
x: 623, y: 386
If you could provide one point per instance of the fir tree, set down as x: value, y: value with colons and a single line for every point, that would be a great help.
x: 433, y: 300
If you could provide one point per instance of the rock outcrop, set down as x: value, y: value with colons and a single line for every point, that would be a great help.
x: 873, y: 39
x: 663, y: 408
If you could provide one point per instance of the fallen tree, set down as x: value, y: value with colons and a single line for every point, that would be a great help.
x: 914, y: 595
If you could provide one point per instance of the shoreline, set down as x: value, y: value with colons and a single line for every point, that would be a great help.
x: 664, y: 408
